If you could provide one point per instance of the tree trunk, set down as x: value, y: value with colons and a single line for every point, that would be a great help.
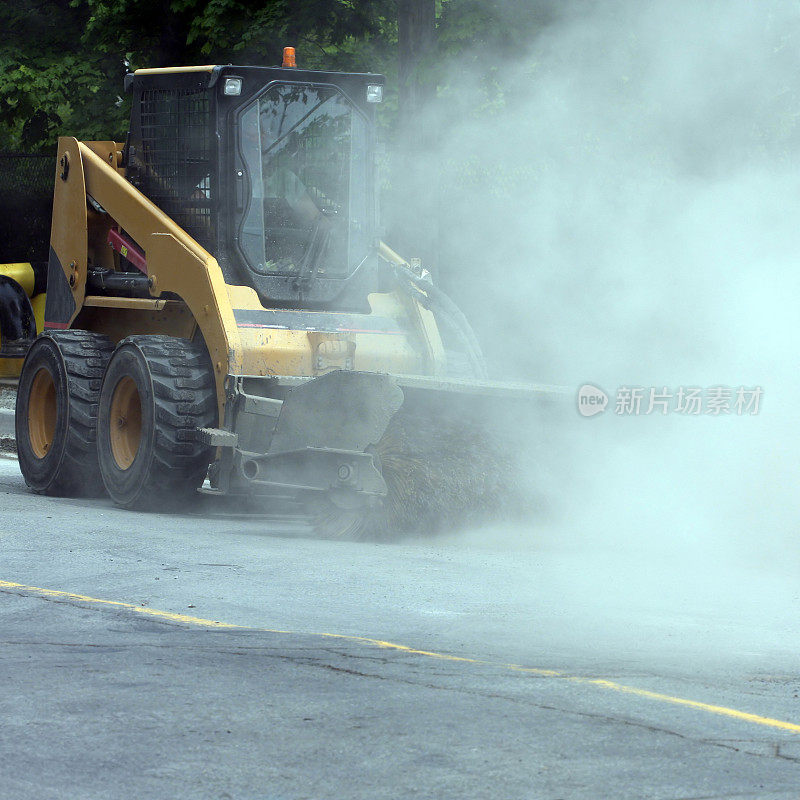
x: 416, y: 183
x: 416, y: 21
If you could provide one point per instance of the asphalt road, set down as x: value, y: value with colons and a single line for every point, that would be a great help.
x: 477, y: 665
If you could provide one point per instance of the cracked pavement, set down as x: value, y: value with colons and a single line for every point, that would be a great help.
x: 100, y: 702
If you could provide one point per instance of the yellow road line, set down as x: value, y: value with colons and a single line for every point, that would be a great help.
x: 150, y: 612
x: 681, y: 701
x: 386, y: 645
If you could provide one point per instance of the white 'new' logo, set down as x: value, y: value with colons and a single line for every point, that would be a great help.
x: 591, y: 400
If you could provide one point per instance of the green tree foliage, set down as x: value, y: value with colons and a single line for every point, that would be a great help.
x: 47, y: 84
x: 62, y: 61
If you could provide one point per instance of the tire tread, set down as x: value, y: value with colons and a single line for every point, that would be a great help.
x: 85, y: 355
x: 184, y: 394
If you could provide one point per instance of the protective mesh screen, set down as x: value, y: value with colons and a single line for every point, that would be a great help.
x: 26, y: 204
x: 176, y: 158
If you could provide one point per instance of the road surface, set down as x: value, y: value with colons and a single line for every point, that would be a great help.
x: 477, y: 665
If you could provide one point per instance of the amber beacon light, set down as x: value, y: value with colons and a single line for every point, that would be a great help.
x: 289, y: 60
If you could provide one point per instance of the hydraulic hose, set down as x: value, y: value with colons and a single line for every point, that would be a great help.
x: 434, y: 299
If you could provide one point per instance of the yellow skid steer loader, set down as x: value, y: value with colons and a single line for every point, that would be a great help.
x: 218, y: 305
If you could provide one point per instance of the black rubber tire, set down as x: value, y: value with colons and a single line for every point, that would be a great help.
x: 177, y: 396
x: 75, y: 361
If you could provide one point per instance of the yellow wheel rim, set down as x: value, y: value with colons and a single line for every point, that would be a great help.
x: 42, y: 413
x: 126, y: 422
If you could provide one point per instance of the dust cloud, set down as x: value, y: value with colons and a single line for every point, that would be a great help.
x: 620, y: 208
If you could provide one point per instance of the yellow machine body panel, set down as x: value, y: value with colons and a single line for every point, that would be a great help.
x: 22, y: 273
x: 410, y: 347
x: 38, y: 303
x: 308, y: 353
x: 10, y: 367
x: 173, y: 70
x: 177, y: 264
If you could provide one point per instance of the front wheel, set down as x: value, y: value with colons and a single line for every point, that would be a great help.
x: 157, y: 392
x: 56, y: 412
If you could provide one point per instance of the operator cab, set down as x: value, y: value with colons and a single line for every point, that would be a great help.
x: 270, y: 169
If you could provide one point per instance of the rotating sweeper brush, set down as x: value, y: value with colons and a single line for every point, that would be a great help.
x: 440, y: 473
x: 218, y: 304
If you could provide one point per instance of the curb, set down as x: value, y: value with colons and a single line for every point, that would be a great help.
x: 6, y: 422
x: 8, y: 444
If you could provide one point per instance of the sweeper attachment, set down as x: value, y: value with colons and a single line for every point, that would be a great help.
x: 219, y: 306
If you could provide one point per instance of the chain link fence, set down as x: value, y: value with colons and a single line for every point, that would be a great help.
x: 26, y: 203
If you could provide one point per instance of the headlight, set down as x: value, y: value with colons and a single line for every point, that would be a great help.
x: 374, y: 93
x: 233, y: 86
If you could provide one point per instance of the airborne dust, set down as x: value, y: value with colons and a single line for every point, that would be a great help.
x: 622, y: 205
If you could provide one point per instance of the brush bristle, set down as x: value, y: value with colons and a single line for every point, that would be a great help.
x: 440, y: 474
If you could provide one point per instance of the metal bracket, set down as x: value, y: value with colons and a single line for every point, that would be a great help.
x: 216, y: 437
x: 314, y: 469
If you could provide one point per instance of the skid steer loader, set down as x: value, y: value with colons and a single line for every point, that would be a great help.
x: 219, y: 306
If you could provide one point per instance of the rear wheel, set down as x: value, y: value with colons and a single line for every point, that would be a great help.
x: 157, y: 392
x: 56, y: 416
